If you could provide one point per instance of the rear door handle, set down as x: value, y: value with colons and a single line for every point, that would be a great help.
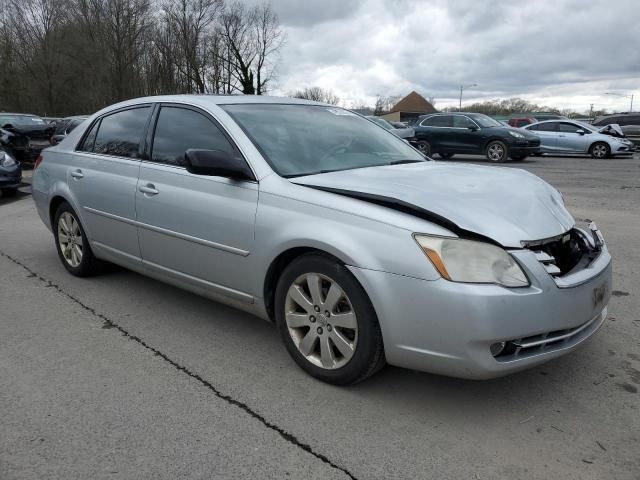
x: 149, y: 189
x: 77, y: 174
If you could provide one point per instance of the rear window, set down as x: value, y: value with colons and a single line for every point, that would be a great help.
x: 119, y: 133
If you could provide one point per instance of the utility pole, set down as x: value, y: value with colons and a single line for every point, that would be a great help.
x: 591, y: 112
x: 462, y: 87
x: 625, y: 96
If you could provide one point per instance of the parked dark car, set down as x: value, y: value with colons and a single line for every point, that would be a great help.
x: 24, y: 135
x: 622, y: 119
x: 472, y: 133
x: 10, y: 174
x: 66, y: 125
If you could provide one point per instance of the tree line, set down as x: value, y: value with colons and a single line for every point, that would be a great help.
x: 65, y: 57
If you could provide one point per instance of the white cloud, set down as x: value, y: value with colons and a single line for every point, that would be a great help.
x: 561, y: 53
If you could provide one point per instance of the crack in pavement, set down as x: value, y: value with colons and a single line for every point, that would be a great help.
x: 109, y: 324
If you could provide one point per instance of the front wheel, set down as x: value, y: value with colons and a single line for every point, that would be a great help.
x: 327, y: 322
x: 599, y: 150
x: 424, y: 147
x: 497, y: 151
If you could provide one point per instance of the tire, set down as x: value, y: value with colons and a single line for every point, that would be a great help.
x: 341, y: 355
x: 600, y: 150
x: 446, y: 156
x: 497, y: 151
x: 424, y: 147
x: 9, y: 192
x: 75, y: 254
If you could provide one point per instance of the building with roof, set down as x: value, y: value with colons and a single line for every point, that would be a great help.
x: 409, y: 108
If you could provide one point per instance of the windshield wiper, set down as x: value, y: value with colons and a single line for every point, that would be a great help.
x: 400, y: 162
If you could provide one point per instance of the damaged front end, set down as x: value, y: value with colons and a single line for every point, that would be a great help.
x: 570, y: 252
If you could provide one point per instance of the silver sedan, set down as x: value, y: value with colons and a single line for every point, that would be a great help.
x: 571, y: 136
x: 308, y: 215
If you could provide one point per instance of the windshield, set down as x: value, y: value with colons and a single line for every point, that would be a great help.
x: 20, y: 120
x: 485, y: 121
x: 306, y: 139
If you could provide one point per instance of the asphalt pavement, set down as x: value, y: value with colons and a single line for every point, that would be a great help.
x: 122, y: 377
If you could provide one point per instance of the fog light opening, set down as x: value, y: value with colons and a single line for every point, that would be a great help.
x: 497, y: 348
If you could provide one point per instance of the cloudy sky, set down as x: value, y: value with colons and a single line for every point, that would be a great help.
x: 563, y: 53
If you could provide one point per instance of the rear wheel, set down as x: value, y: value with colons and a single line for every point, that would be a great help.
x: 424, y: 147
x: 327, y: 322
x: 72, y: 244
x: 600, y: 150
x: 446, y: 156
x: 9, y: 192
x: 497, y: 151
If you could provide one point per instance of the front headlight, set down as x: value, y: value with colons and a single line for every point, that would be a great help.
x: 470, y: 261
x: 516, y: 134
x: 7, y: 160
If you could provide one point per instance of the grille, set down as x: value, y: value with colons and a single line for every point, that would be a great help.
x: 563, y: 254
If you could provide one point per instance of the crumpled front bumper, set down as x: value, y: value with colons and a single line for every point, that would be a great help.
x: 447, y: 328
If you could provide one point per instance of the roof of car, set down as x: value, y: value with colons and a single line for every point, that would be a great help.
x: 210, y: 100
x: 222, y: 99
x: 20, y: 114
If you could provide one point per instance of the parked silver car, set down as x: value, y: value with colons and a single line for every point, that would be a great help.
x: 306, y: 214
x: 404, y: 132
x: 572, y: 136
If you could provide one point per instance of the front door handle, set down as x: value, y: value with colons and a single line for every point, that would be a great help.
x: 77, y: 174
x: 149, y: 189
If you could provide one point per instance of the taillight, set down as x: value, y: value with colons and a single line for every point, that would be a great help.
x: 38, y: 162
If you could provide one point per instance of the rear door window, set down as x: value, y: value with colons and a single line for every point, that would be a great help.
x: 120, y: 133
x: 438, y: 121
x: 548, y: 127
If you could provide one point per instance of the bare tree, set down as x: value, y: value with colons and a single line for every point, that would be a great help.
x: 268, y: 39
x: 189, y: 22
x: 253, y: 38
x: 37, y: 30
x: 65, y: 57
x: 317, y: 94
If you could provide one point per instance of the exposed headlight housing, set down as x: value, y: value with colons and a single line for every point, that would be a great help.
x: 516, y: 134
x: 469, y: 261
x: 7, y: 160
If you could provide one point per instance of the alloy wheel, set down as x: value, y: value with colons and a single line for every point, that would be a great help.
x: 599, y: 151
x: 496, y: 152
x: 70, y: 239
x: 321, y: 321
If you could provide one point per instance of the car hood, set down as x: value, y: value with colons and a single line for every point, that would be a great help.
x: 507, y: 205
x: 505, y: 130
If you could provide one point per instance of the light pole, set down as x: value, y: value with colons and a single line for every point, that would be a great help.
x: 462, y: 87
x: 625, y: 96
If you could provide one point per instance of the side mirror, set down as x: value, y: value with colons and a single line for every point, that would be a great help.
x: 473, y: 128
x: 580, y: 131
x: 217, y: 163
